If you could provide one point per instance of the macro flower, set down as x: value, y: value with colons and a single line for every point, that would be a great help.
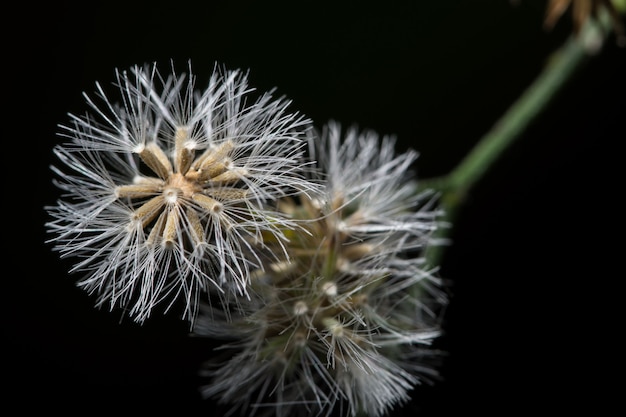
x: 166, y: 187
x: 345, y: 325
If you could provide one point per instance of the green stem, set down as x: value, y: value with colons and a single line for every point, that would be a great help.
x: 534, y: 100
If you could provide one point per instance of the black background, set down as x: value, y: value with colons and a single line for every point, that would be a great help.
x: 535, y: 263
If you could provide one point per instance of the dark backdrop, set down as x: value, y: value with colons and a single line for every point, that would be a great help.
x: 536, y: 252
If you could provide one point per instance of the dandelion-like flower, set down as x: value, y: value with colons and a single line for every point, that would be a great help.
x: 168, y: 186
x: 345, y: 325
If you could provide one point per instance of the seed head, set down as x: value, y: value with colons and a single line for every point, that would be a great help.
x: 167, y: 187
x: 347, y: 324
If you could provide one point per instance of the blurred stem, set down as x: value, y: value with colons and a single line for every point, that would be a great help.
x: 534, y: 100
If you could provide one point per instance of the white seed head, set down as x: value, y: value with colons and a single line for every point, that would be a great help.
x: 345, y: 325
x: 171, y: 187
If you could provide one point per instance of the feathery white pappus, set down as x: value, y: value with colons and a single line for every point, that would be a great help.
x: 166, y: 187
x: 346, y: 324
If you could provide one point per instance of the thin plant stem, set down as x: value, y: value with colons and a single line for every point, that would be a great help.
x: 534, y: 100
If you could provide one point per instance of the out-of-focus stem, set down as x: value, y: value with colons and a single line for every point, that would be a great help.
x: 534, y: 100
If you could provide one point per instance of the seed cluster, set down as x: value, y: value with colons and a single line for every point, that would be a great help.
x: 167, y: 187
x: 189, y: 190
x: 344, y: 319
x: 307, y: 261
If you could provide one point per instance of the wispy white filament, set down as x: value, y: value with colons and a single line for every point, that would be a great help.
x: 166, y: 186
x: 308, y: 261
x: 346, y: 324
